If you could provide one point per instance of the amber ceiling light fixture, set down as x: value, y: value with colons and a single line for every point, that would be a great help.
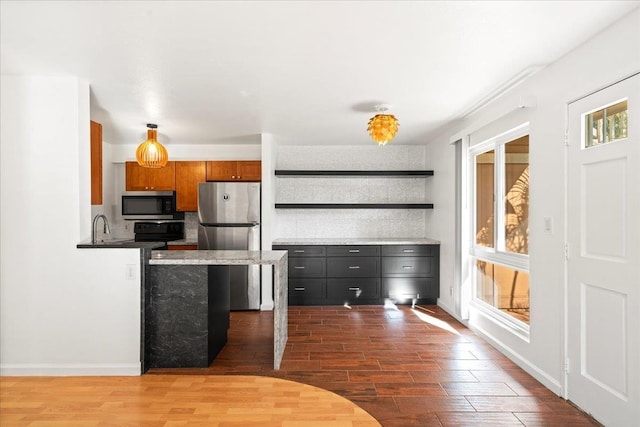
x: 383, y: 127
x: 152, y: 154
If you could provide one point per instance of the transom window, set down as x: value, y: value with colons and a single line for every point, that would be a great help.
x: 500, y: 247
x: 606, y: 124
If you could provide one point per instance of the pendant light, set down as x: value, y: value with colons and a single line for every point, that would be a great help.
x: 383, y: 127
x: 152, y: 154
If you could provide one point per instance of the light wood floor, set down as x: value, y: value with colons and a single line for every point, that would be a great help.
x: 173, y: 400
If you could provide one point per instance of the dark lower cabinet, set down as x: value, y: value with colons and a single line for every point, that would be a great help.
x: 307, y: 291
x: 353, y: 291
x: 363, y: 274
x: 408, y: 266
x: 307, y: 267
x: 411, y: 273
x: 353, y: 266
x: 405, y: 289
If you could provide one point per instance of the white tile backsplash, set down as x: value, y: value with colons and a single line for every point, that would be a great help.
x: 351, y: 223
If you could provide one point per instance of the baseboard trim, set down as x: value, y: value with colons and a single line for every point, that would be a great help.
x: 547, y: 380
x: 69, y: 369
x: 537, y: 373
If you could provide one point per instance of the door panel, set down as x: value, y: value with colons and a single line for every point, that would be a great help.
x: 604, y: 183
x: 603, y: 198
x: 250, y: 170
x: 188, y: 176
x: 221, y: 170
x: 224, y: 238
x: 233, y: 202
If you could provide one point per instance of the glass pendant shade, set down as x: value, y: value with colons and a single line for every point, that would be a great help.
x: 383, y: 128
x: 152, y: 154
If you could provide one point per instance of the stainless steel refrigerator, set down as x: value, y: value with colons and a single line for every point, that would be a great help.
x: 229, y: 217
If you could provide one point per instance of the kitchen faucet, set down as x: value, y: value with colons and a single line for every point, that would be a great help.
x: 95, y: 226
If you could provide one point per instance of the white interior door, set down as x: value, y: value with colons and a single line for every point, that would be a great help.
x: 603, y: 192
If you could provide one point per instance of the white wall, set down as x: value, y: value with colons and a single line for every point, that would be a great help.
x: 577, y: 74
x: 62, y: 310
x: 268, y: 215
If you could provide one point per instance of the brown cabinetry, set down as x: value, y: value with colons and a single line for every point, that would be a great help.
x: 234, y: 170
x: 96, y: 163
x: 188, y: 175
x: 182, y: 247
x: 151, y: 179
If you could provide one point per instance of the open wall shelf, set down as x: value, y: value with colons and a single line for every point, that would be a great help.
x: 354, y: 205
x: 406, y: 173
x: 354, y: 173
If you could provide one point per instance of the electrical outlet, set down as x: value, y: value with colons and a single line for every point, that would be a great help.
x: 126, y: 225
x: 548, y: 225
x: 450, y: 290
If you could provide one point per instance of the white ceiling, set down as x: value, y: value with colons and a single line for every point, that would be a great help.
x: 308, y: 72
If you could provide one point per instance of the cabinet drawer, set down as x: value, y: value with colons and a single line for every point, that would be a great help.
x: 353, y: 250
x: 410, y: 250
x: 307, y: 267
x: 401, y: 288
x: 353, y: 289
x: 408, y: 266
x: 353, y: 267
x: 299, y: 251
x: 307, y: 291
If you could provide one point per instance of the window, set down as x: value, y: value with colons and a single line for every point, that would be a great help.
x: 606, y: 124
x: 500, y: 221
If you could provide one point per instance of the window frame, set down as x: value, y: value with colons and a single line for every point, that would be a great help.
x: 498, y: 253
x: 583, y: 133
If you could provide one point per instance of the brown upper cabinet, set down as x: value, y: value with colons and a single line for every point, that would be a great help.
x: 188, y: 175
x: 151, y: 179
x: 234, y: 170
x: 96, y: 163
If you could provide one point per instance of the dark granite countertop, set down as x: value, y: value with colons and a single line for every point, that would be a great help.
x: 119, y: 244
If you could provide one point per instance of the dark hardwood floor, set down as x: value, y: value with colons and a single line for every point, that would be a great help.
x: 405, y: 367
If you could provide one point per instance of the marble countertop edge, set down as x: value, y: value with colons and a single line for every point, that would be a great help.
x: 205, y: 257
x: 357, y: 241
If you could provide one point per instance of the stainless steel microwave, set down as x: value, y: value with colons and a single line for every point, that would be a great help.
x: 150, y: 205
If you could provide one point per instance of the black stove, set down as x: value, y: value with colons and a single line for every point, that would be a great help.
x: 158, y: 231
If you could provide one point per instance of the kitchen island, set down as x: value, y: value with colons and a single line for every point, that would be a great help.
x: 187, y: 304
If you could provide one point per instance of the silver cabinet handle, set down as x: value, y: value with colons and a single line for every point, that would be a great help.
x: 407, y: 250
x: 298, y: 289
x: 407, y: 266
x: 299, y: 251
x: 354, y: 251
x: 354, y: 267
x: 299, y: 268
x: 354, y: 289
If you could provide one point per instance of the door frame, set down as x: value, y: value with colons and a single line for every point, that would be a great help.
x: 565, y: 294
